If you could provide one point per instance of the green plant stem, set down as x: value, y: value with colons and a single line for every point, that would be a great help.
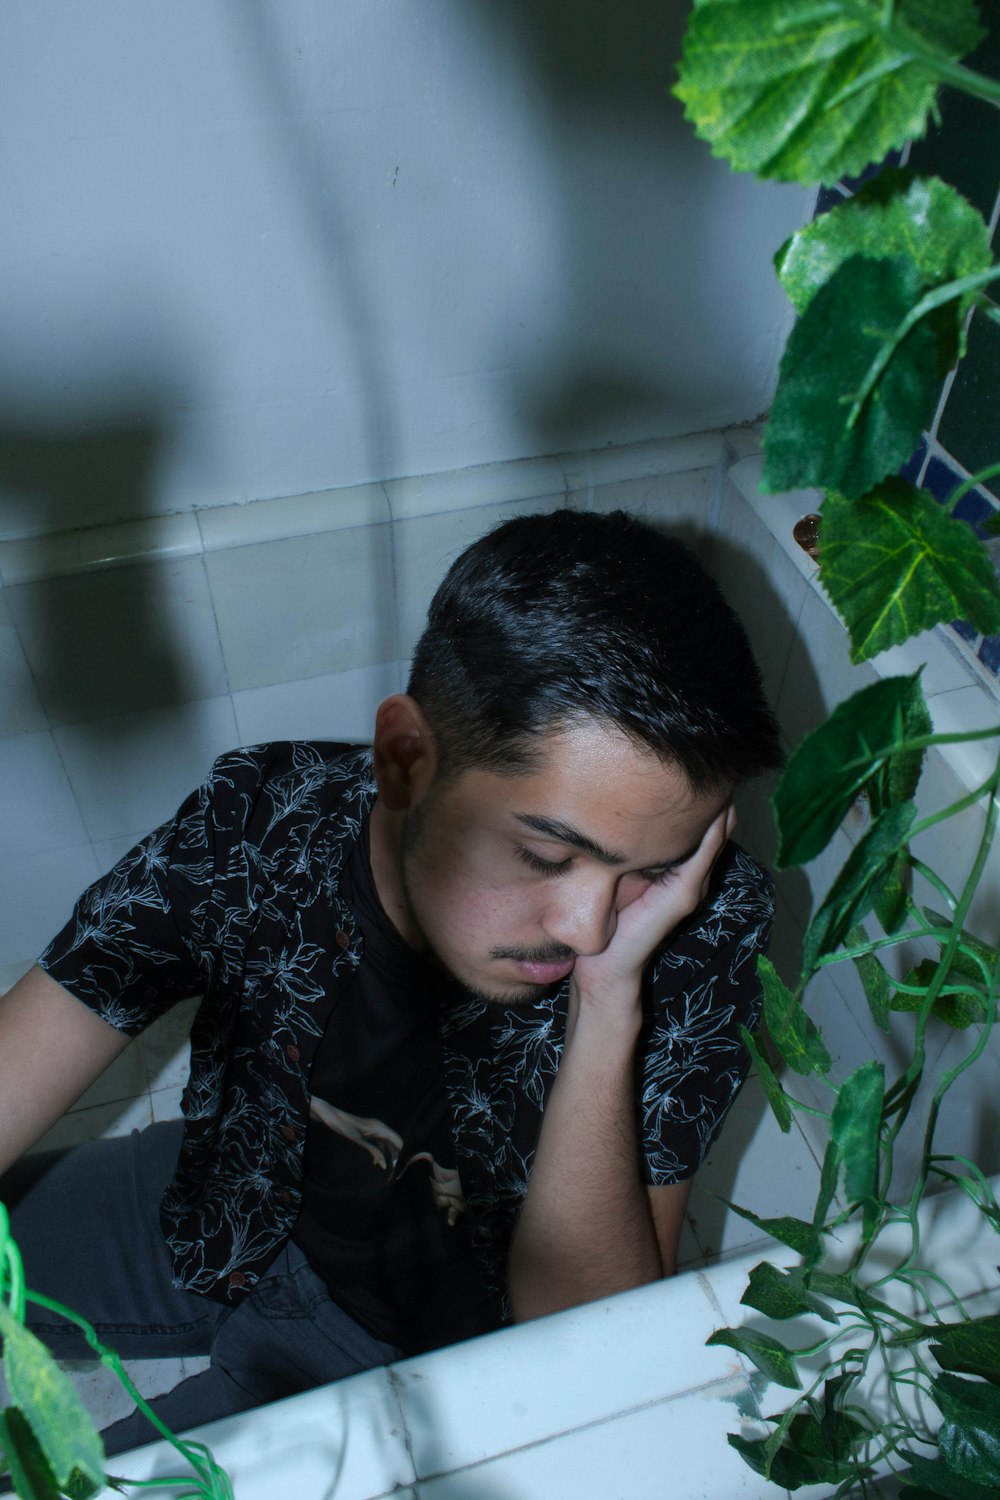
x: 214, y: 1482
x: 933, y: 879
x: 949, y: 1077
x: 928, y: 303
x: 11, y: 1269
x: 984, y: 789
x: 973, y: 483
x: 987, y: 1203
x: 898, y: 33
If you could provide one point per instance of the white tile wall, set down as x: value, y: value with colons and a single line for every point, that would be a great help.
x: 20, y: 707
x: 424, y: 549
x: 335, y: 706
x: 120, y: 639
x: 294, y: 619
x: 304, y: 606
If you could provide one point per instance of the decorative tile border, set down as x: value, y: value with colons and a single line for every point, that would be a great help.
x: 215, y: 528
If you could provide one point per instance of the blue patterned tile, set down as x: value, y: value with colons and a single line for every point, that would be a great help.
x: 828, y: 197
x: 851, y: 184
x: 975, y: 508
x: 967, y: 632
x: 989, y: 653
x: 911, y: 469
x: 941, y: 479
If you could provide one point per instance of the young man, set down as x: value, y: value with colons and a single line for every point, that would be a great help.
x: 472, y: 998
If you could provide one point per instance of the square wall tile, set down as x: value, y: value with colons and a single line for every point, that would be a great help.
x: 820, y: 672
x: 120, y: 640
x: 132, y: 772
x: 464, y: 489
x: 670, y: 1448
x: 521, y: 1385
x: 166, y: 1047
x: 305, y: 606
x: 425, y: 548
x: 123, y: 1081
x: 756, y: 1166
x: 337, y: 706
x: 343, y: 1442
x: 38, y: 810
x: 97, y: 1123
x: 37, y: 895
x: 20, y: 706
x: 676, y: 504
x: 759, y: 583
x: 601, y: 466
x: 224, y: 526
x: 11, y: 973
x: 166, y: 1104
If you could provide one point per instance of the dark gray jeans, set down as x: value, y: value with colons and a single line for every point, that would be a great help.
x: 89, y: 1234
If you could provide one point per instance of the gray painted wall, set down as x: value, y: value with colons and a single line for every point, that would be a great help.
x: 260, y: 247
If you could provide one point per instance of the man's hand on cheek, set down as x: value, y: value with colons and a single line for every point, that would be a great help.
x: 613, y: 977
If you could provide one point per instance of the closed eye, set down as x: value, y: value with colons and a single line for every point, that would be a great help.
x: 541, y: 866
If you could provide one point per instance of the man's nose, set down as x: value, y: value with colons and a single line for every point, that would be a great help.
x: 582, y: 918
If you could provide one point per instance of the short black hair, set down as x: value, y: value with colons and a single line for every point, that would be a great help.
x: 550, y: 619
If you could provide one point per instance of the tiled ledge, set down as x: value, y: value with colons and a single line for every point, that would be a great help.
x: 185, y: 534
x: 617, y: 1398
x: 958, y: 699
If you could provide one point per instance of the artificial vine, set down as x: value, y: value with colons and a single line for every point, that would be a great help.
x: 884, y: 285
x: 48, y: 1443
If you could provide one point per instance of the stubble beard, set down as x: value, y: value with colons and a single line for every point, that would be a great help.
x: 523, y: 994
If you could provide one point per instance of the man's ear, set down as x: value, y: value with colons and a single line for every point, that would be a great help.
x: 404, y: 752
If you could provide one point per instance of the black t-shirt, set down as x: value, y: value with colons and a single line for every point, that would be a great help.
x: 382, y: 1218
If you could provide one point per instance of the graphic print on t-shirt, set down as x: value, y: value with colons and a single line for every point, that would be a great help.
x: 385, y: 1145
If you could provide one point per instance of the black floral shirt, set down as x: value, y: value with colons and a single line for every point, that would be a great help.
x: 237, y: 899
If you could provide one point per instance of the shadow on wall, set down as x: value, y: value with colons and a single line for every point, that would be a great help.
x: 612, y: 130
x: 51, y: 474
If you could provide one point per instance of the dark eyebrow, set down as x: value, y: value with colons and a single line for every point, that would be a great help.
x: 563, y: 833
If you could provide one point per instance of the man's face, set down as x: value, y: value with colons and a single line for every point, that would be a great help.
x: 509, y: 878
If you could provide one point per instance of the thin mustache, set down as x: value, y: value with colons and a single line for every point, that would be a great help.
x: 554, y: 954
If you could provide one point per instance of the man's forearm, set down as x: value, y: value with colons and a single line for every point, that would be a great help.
x: 586, y: 1230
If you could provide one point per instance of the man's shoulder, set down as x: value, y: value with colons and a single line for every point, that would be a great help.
x: 736, y: 916
x: 284, y: 779
x: 286, y: 762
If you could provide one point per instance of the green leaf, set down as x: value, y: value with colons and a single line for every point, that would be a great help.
x: 936, y: 1479
x: 30, y: 1474
x: 898, y: 777
x: 791, y: 1466
x: 839, y: 1286
x: 50, y: 1404
x: 990, y: 956
x: 852, y: 320
x: 890, y: 895
x: 850, y: 896
x: 854, y: 1126
x: 795, y: 1036
x: 969, y: 1435
x: 873, y: 977
x: 834, y: 764
x: 897, y: 213
x: 896, y: 563
x: 957, y: 1011
x: 973, y: 1347
x: 808, y: 92
x: 783, y: 1294
x: 769, y: 1082
x: 796, y: 1233
x: 770, y: 1357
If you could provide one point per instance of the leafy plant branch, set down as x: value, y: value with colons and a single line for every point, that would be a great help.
x: 884, y: 285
